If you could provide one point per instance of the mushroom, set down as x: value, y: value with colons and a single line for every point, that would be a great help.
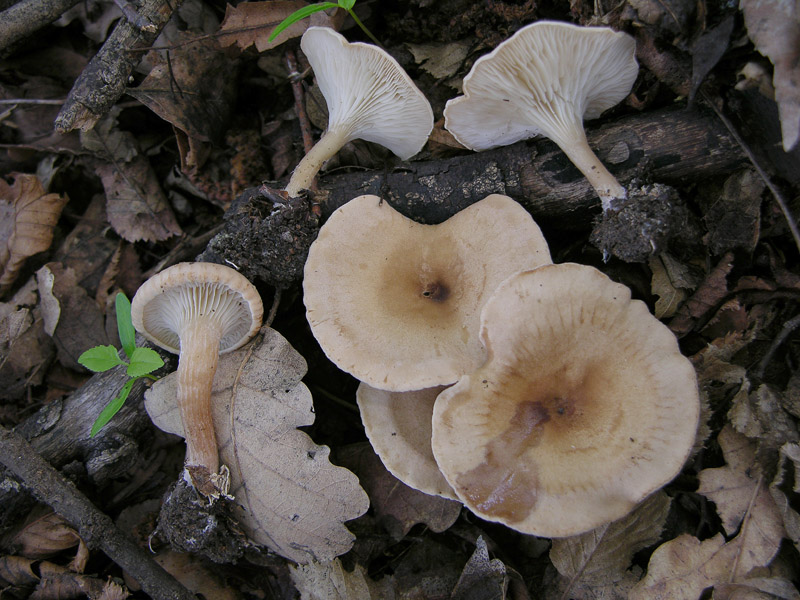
x: 544, y: 80
x: 584, y: 407
x: 198, y: 310
x: 397, y: 303
x: 369, y: 97
x: 398, y: 425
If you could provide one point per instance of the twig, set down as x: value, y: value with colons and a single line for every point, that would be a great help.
x: 95, y: 528
x: 787, y: 330
x: 761, y: 172
x: 105, y: 78
x: 28, y: 16
x: 276, y: 300
x: 299, y: 107
x: 55, y: 101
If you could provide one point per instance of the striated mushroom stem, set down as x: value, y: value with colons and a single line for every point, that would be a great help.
x: 604, y: 183
x: 197, y: 365
x: 328, y: 145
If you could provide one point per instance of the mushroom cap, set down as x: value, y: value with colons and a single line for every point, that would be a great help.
x: 543, y: 80
x: 398, y: 425
x: 397, y: 303
x: 584, y: 407
x: 166, y: 301
x: 368, y: 93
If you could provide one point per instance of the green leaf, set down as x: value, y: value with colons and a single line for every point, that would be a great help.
x: 144, y: 361
x: 347, y: 4
x: 299, y: 14
x: 100, y: 358
x: 112, y: 408
x: 127, y: 334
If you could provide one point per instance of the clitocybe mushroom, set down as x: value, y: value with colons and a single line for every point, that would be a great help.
x: 198, y: 310
x: 369, y: 97
x: 584, y: 407
x: 544, y: 80
x: 398, y: 425
x: 397, y: 303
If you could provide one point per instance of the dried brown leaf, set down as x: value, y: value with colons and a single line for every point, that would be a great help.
x: 197, y: 575
x: 711, y: 291
x: 596, y: 563
x: 760, y: 415
x: 400, y: 506
x: 733, y: 217
x: 785, y: 489
x: 670, y: 296
x: 441, y: 60
x: 482, y: 578
x: 330, y: 581
x: 774, y: 28
x: 757, y: 588
x: 17, y: 571
x: 28, y: 216
x: 289, y: 497
x: 44, y: 535
x: 251, y: 23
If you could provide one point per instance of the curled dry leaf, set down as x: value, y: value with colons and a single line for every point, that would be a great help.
x: 47, y: 533
x: 482, y: 578
x: 330, y: 581
x: 596, y: 564
x: 774, y: 27
x: 785, y: 487
x: 28, y: 216
x: 288, y: 496
x: 682, y: 568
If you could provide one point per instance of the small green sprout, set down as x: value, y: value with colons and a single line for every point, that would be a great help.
x: 309, y: 10
x: 142, y: 361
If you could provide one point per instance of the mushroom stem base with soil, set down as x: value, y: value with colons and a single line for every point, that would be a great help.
x: 196, y: 368
x: 603, y: 182
x: 303, y: 175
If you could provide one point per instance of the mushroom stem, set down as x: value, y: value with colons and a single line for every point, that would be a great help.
x: 197, y: 365
x: 604, y: 183
x: 328, y: 145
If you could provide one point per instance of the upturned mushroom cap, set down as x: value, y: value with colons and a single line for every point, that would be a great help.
x: 398, y: 425
x: 368, y: 93
x: 166, y: 301
x: 369, y: 97
x: 544, y: 80
x: 584, y: 407
x: 396, y: 303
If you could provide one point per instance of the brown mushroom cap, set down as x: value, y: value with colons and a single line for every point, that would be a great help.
x: 165, y: 302
x: 396, y: 303
x: 584, y: 407
x: 398, y: 425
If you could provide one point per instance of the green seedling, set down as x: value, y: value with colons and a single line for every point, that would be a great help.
x: 309, y: 10
x: 141, y: 361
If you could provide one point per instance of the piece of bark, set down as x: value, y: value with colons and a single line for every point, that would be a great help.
x: 105, y: 78
x: 28, y: 16
x: 674, y: 146
x: 95, y: 528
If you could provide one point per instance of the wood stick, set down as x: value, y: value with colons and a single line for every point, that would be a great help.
x: 28, y: 16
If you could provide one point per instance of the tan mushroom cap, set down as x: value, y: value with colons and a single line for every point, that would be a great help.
x: 398, y: 425
x: 584, y: 407
x: 397, y: 303
x: 544, y: 80
x: 176, y: 294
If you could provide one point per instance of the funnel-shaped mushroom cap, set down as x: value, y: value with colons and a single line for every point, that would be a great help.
x: 543, y: 80
x: 398, y: 425
x: 396, y: 303
x: 166, y: 302
x: 368, y: 93
x: 584, y: 407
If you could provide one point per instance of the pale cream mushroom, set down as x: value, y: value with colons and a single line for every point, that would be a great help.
x: 545, y: 80
x: 584, y: 407
x: 198, y: 310
x: 398, y: 425
x: 369, y: 97
x: 397, y: 303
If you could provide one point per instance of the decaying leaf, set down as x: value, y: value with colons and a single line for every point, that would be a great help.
x: 760, y: 415
x: 786, y: 487
x: 482, y: 578
x: 685, y: 566
x: 671, y: 282
x: 47, y: 533
x: 71, y: 317
x: 711, y: 291
x: 398, y: 505
x: 28, y: 216
x: 757, y: 588
x: 196, y: 575
x: 330, y: 581
x: 596, y: 564
x: 441, y: 60
x: 733, y: 218
x: 707, y: 50
x: 774, y: 28
x: 289, y: 497
x: 252, y: 23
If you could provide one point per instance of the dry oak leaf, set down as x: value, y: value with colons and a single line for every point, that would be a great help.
x: 682, y: 568
x: 596, y: 564
x: 28, y: 216
x: 757, y: 588
x: 251, y: 23
x: 774, y: 28
x: 482, y: 578
x: 330, y: 581
x: 288, y: 496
